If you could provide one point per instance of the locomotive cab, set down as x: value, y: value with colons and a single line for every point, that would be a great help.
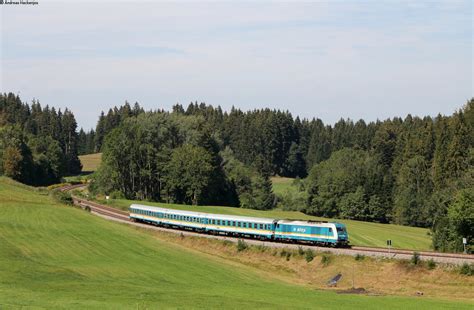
x: 342, y: 236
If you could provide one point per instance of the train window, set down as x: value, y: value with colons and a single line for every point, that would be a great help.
x: 238, y: 224
x: 218, y: 222
x: 330, y: 230
x: 261, y: 226
x: 233, y: 223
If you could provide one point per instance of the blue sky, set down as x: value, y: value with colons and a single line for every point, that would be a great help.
x: 349, y: 59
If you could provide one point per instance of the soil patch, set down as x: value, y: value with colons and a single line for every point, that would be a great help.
x: 358, y: 290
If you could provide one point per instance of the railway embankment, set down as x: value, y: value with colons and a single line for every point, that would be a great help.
x: 397, y: 254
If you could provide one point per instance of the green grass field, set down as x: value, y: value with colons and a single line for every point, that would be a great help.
x: 90, y: 162
x: 282, y: 185
x: 55, y: 256
x: 360, y: 233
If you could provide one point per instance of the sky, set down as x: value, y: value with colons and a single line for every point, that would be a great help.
x: 331, y: 60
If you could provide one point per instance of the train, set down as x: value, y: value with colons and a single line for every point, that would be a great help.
x: 313, y: 232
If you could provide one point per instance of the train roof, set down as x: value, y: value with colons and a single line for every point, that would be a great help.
x: 236, y: 217
x: 207, y: 215
x: 306, y: 223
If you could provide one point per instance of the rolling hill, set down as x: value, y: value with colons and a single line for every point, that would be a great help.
x: 55, y: 256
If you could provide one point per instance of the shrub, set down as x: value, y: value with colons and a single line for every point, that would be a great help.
x: 261, y: 248
x: 288, y: 256
x: 359, y: 257
x: 300, y: 251
x: 117, y: 195
x: 226, y: 242
x: 309, y: 256
x: 241, y: 245
x: 62, y: 197
x: 415, y: 259
x: 283, y: 253
x: 431, y: 264
x: 325, y: 259
x: 466, y: 269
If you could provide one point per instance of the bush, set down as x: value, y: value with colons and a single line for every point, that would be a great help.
x: 241, y: 245
x: 467, y: 270
x: 359, y: 257
x: 325, y: 259
x: 226, y: 242
x: 283, y: 253
x: 309, y: 256
x: 415, y: 259
x: 62, y: 197
x: 288, y: 256
x: 117, y: 195
x: 431, y: 264
x: 300, y: 251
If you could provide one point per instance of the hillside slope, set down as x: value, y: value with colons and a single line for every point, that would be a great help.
x: 53, y: 256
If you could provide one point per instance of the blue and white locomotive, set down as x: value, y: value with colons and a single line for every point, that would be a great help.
x: 321, y: 233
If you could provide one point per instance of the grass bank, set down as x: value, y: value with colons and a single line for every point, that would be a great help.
x: 53, y: 256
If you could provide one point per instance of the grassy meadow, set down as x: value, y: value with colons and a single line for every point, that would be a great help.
x: 283, y: 185
x: 90, y: 162
x: 55, y: 256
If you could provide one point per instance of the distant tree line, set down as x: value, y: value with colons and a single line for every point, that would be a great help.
x: 38, y: 145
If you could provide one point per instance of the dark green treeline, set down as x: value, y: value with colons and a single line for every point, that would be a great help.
x: 38, y: 145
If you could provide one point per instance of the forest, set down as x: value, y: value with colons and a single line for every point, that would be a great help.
x: 411, y: 171
x: 38, y: 145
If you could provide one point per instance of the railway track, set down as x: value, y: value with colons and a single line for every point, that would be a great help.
x: 123, y: 216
